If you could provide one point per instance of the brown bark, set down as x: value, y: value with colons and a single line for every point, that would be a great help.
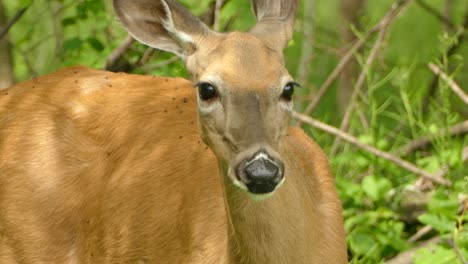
x: 351, y: 11
x: 6, y: 60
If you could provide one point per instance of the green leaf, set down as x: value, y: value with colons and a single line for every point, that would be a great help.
x: 24, y: 3
x: 366, y: 139
x: 72, y: 44
x: 376, y: 187
x: 95, y: 6
x: 443, y: 204
x: 462, y: 239
x: 96, y: 44
x: 439, y: 222
x: 68, y: 21
x: 430, y: 163
x: 356, y: 220
x: 81, y: 11
x: 440, y: 255
x: 361, y: 242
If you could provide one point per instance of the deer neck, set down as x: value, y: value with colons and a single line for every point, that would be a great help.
x: 271, y: 230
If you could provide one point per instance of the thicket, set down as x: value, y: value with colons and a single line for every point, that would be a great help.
x: 384, y: 93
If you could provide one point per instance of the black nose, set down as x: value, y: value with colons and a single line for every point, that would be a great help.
x: 262, y: 174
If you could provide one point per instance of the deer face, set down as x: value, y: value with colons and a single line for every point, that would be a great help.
x: 244, y: 91
x: 244, y: 96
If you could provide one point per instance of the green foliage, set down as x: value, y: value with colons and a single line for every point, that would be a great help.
x: 402, y: 101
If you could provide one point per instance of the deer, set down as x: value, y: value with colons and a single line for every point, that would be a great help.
x: 102, y: 167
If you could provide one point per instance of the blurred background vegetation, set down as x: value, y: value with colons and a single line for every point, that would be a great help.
x: 364, y: 67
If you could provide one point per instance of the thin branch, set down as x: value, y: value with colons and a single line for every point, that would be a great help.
x: 452, y: 84
x: 385, y: 155
x: 457, y: 250
x: 15, y: 19
x: 448, y: 11
x: 406, y: 257
x: 385, y: 24
x: 307, y: 47
x: 362, y: 77
x: 394, y: 11
x: 161, y: 64
x: 459, y: 129
x: 436, y: 13
x: 118, y: 52
x: 457, y: 43
x: 27, y: 62
x: 335, y: 74
x: 56, y: 29
x: 211, y: 16
x: 465, y: 154
x: 217, y: 11
x: 421, y: 232
x: 146, y: 56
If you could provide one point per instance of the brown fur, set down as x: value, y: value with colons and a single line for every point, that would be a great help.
x: 98, y: 167
x: 128, y: 179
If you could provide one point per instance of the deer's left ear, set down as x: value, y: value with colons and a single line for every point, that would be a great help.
x: 162, y: 24
x: 275, y: 21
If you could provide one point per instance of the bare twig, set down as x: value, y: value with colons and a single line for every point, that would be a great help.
x: 385, y: 155
x: 448, y: 11
x: 457, y: 43
x: 27, y: 61
x: 351, y: 12
x: 56, y: 29
x: 435, y: 13
x: 465, y: 154
x: 362, y: 77
x: 218, y: 5
x: 161, y: 64
x: 452, y: 84
x: 457, y: 251
x: 307, y: 47
x: 406, y: 257
x: 421, y: 232
x: 394, y: 11
x: 211, y: 16
x: 146, y: 56
x: 17, y: 16
x: 385, y: 24
x: 6, y: 66
x: 423, y: 142
x: 119, y: 51
x: 335, y: 74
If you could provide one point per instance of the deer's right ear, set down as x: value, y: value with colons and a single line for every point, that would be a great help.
x: 162, y: 24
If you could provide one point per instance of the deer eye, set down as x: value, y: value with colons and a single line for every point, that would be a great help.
x: 206, y: 91
x: 288, y: 91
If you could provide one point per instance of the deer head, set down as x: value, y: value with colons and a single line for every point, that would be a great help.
x: 245, y: 92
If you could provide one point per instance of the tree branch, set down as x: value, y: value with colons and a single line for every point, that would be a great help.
x: 406, y: 257
x: 118, y: 52
x: 457, y: 250
x: 394, y: 11
x: 385, y: 24
x: 217, y: 11
x: 161, y: 64
x: 452, y: 84
x: 457, y: 43
x: 435, y: 13
x: 15, y: 19
x: 307, y: 46
x: 385, y: 155
x: 423, y: 142
x: 421, y: 232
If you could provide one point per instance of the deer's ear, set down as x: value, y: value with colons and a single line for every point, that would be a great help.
x: 162, y: 24
x: 275, y: 21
